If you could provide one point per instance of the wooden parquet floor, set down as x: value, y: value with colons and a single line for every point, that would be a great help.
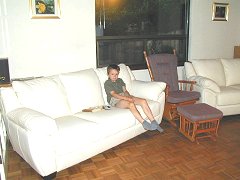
x: 152, y: 155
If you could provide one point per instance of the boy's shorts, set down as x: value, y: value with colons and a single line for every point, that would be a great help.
x: 114, y: 101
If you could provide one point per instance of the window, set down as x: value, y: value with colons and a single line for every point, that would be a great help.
x: 125, y: 28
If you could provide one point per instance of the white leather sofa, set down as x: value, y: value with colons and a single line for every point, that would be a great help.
x: 218, y: 81
x: 46, y: 125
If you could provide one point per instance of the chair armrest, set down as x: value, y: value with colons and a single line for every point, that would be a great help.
x: 32, y: 120
x: 206, y: 83
x: 147, y: 89
x: 187, y: 82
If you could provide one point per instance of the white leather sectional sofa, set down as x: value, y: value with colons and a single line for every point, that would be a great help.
x: 218, y: 81
x: 46, y: 125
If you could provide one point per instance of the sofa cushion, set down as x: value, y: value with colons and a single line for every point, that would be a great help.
x: 125, y: 73
x: 228, y: 96
x: 115, y: 120
x: 236, y: 86
x: 232, y: 71
x: 110, y: 121
x: 44, y: 95
x: 83, y: 89
x: 70, y: 129
x: 210, y: 68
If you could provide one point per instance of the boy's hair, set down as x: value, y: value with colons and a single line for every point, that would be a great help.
x: 113, y: 66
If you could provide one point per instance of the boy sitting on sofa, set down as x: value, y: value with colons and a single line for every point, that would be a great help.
x: 118, y: 96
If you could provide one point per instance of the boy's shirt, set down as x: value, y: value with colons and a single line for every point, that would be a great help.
x: 116, y: 86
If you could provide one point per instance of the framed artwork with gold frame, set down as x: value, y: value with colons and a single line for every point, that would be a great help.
x: 40, y: 9
x: 220, y: 11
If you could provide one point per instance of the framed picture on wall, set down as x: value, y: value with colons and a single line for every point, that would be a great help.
x: 220, y: 11
x: 44, y: 9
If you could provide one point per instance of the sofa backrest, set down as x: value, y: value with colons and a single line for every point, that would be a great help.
x: 62, y: 94
x: 83, y: 89
x: 232, y: 71
x: 45, y: 95
x: 210, y: 68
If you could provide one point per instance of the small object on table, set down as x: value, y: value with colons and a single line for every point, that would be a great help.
x: 94, y: 109
x: 199, y: 121
x: 106, y: 107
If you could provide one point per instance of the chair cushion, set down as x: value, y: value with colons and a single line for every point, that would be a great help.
x: 198, y: 112
x: 182, y: 96
x: 164, y: 69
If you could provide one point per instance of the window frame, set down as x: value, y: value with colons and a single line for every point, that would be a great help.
x: 143, y: 65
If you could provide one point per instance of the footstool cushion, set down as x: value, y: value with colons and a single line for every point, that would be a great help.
x: 198, y: 112
x: 199, y: 121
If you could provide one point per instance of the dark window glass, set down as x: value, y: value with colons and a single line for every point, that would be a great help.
x: 125, y: 28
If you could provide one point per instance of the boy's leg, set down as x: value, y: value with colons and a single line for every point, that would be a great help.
x: 146, y: 109
x: 136, y: 114
x: 143, y: 103
x: 127, y: 105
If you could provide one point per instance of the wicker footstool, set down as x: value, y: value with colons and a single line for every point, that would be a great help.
x: 199, y: 121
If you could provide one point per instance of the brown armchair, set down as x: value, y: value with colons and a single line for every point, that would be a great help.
x: 163, y: 67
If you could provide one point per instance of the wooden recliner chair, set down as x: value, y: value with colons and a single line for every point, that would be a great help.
x: 163, y: 67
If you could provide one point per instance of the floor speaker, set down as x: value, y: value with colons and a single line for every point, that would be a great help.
x: 4, y: 71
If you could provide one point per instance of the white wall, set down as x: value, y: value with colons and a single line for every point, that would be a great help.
x: 39, y: 47
x: 213, y: 39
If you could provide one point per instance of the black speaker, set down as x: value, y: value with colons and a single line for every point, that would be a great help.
x: 4, y: 71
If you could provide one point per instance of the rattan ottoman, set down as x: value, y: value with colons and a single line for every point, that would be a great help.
x: 199, y: 121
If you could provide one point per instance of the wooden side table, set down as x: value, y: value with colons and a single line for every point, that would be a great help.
x: 236, y: 52
x: 5, y: 85
x: 199, y: 121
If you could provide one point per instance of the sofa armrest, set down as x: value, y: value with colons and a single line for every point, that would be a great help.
x: 147, y: 89
x: 32, y: 120
x: 205, y: 83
